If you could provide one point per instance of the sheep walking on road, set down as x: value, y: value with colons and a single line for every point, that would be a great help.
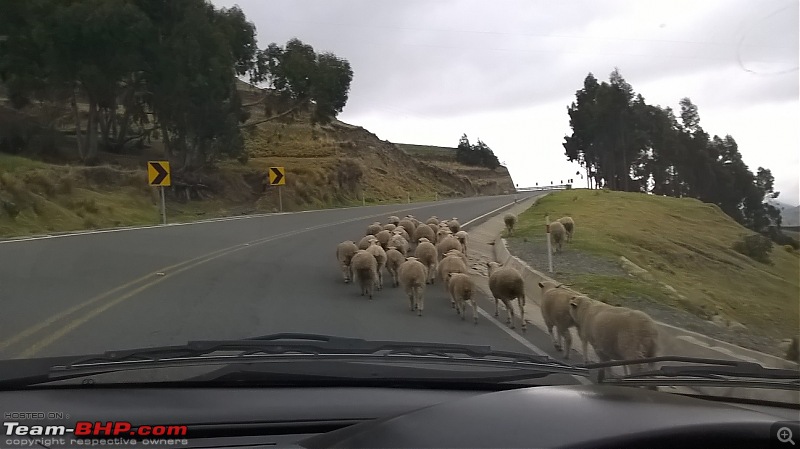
x: 412, y: 275
x: 569, y: 226
x: 426, y: 253
x: 383, y: 238
x: 365, y: 242
x: 510, y: 221
x: 462, y: 237
x: 506, y: 284
x: 394, y: 259
x: 425, y: 231
x: 374, y: 228
x: 399, y: 242
x: 555, y: 312
x: 462, y: 290
x: 393, y: 219
x: 615, y: 333
x: 344, y: 254
x: 557, y: 233
x: 454, y: 225
x: 409, y: 226
x: 433, y: 222
x: 446, y: 244
x: 380, y: 257
x: 453, y: 263
x: 365, y: 271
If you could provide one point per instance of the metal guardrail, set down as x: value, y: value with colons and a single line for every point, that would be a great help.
x: 540, y: 188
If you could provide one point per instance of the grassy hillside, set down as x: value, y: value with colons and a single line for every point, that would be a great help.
x: 62, y: 195
x: 682, y: 243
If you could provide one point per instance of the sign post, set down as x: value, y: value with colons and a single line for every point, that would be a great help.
x: 158, y: 175
x: 277, y: 177
x: 549, y: 245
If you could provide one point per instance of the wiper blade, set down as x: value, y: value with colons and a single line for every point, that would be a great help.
x: 707, y: 372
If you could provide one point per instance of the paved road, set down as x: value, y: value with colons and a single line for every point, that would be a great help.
x: 222, y: 279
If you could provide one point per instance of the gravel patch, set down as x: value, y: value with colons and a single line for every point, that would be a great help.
x: 570, y: 263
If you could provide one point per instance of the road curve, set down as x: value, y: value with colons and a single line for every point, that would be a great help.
x: 237, y: 278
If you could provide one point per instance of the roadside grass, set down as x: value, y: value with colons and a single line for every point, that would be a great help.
x: 683, y: 243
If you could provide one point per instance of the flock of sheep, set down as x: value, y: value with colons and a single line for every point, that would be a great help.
x: 415, y: 254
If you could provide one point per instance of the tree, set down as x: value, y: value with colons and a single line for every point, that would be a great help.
x: 479, y: 154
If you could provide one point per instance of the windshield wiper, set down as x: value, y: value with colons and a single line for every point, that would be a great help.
x: 704, y: 372
x: 295, y: 347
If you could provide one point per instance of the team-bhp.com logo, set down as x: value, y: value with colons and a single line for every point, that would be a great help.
x: 120, y: 432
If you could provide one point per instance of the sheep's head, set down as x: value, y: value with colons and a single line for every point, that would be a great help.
x: 389, y: 248
x: 492, y: 266
x: 576, y: 303
x: 424, y: 240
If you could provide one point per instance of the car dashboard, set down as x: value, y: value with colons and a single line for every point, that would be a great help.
x: 355, y: 417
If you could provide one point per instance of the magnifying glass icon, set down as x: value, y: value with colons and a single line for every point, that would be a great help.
x: 785, y: 435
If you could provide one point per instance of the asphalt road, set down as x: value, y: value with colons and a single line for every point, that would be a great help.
x: 226, y: 279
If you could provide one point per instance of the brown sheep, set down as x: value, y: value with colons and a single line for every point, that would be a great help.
x: 394, y: 259
x: 383, y: 238
x: 462, y: 237
x: 365, y: 271
x: 389, y: 227
x: 454, y: 225
x: 555, y: 311
x: 393, y: 219
x: 462, y: 290
x: 510, y: 220
x: 399, y: 242
x: 412, y: 275
x: 433, y: 222
x: 451, y: 264
x: 409, y: 226
x: 425, y: 231
x: 402, y: 231
x: 365, y: 242
x: 557, y: 233
x: 615, y: 333
x: 569, y: 226
x: 426, y: 253
x: 446, y: 244
x: 441, y: 233
x: 344, y: 254
x: 374, y: 228
x: 380, y: 256
x: 506, y: 284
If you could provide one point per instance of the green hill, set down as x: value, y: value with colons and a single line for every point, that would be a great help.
x: 686, y: 247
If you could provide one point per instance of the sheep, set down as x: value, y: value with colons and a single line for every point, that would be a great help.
x: 389, y: 227
x: 425, y: 231
x: 615, y: 333
x: 569, y: 226
x: 399, y: 242
x: 454, y: 225
x: 451, y: 264
x: 555, y: 312
x: 557, y: 233
x: 365, y: 270
x: 455, y: 252
x: 412, y: 274
x: 344, y: 254
x: 426, y: 253
x: 462, y: 237
x: 393, y: 219
x: 402, y: 231
x: 408, y: 225
x: 380, y: 256
x: 461, y: 290
x: 510, y: 220
x: 365, y: 242
x: 394, y: 259
x: 506, y: 284
x: 446, y: 244
x: 383, y: 238
x: 374, y: 228
x: 433, y: 222
x: 442, y: 233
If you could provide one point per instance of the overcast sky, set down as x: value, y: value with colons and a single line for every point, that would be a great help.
x: 426, y: 71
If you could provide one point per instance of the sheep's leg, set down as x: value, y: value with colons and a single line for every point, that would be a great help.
x: 345, y: 273
x: 567, y: 343
x: 496, y: 307
x: 509, y: 314
x: 474, y: 311
x: 585, y: 347
x: 420, y: 300
x: 523, y: 324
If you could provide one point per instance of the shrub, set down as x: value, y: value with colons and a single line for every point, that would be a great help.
x: 756, y: 247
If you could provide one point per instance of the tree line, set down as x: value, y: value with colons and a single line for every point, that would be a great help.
x: 625, y: 144
x: 478, y: 154
x: 131, y: 70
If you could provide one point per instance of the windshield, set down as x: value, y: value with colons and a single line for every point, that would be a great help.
x: 532, y: 177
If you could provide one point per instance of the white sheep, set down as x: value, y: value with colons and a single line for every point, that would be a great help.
x: 443, y: 232
x: 374, y: 228
x: 455, y: 252
x: 454, y: 225
x: 462, y: 237
x: 425, y: 231
x: 380, y: 257
x: 383, y: 238
x: 365, y: 242
x: 393, y: 219
x: 365, y: 271
x: 510, y: 221
x: 615, y: 333
x: 451, y: 264
x: 402, y: 231
x: 412, y: 274
x: 446, y: 244
x: 506, y: 284
x: 394, y: 259
x: 433, y: 222
x: 389, y: 227
x: 409, y: 226
x: 344, y: 254
x: 462, y: 290
x: 426, y: 253
x: 557, y: 233
x: 569, y: 226
x: 399, y: 242
x: 555, y: 312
